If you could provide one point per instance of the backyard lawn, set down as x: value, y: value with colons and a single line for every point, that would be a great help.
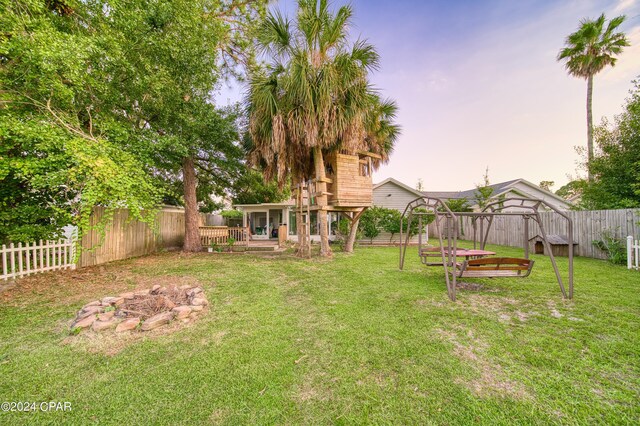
x: 343, y: 341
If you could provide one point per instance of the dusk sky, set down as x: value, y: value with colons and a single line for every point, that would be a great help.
x: 478, y: 85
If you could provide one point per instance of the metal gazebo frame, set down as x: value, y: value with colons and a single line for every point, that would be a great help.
x: 528, y: 209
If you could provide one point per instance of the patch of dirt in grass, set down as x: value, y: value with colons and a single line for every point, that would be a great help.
x: 7, y: 285
x: 608, y: 381
x: 86, y: 284
x: 430, y: 303
x: 492, y: 380
x: 218, y: 416
x: 553, y: 311
x: 111, y: 343
x: 469, y: 286
x: 502, y: 307
x: 315, y: 386
x: 382, y: 379
x: 306, y: 392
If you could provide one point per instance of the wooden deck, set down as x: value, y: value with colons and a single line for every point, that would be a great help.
x: 220, y: 235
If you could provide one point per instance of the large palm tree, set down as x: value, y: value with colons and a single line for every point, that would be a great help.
x: 587, y: 52
x: 312, y: 98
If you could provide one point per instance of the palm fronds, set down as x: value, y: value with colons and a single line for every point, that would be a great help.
x: 315, y: 93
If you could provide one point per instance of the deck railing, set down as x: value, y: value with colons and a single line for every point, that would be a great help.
x: 220, y: 235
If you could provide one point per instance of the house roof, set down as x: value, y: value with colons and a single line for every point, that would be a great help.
x: 498, y: 189
x: 401, y: 185
x: 470, y: 194
x: 288, y: 203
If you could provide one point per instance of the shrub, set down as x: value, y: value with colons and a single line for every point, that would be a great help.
x: 614, y: 247
x: 371, y: 222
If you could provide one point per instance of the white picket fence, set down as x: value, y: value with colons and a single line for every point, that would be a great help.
x: 20, y: 260
x: 633, y: 253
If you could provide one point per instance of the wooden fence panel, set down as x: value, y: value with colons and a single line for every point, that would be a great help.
x: 125, y: 238
x: 588, y: 226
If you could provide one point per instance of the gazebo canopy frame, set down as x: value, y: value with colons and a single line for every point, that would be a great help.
x: 447, y: 220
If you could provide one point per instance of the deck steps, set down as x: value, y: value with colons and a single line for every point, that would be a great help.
x: 261, y: 248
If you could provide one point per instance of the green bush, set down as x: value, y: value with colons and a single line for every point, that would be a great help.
x: 371, y: 222
x: 614, y: 247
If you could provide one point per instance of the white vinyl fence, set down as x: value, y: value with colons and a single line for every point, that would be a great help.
x: 633, y: 253
x: 19, y: 260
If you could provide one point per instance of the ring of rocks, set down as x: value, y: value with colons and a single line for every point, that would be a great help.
x: 141, y: 310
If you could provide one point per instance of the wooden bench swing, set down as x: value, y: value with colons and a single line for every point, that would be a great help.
x: 495, y: 267
x: 475, y: 266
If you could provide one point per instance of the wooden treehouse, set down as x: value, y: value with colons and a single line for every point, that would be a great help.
x: 341, y: 183
x: 345, y: 184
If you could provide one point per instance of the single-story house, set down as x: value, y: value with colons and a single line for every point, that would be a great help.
x: 264, y: 219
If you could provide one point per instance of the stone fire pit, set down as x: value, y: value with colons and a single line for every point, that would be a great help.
x: 141, y: 310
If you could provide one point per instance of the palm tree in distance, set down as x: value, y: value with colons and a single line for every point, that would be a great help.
x: 587, y: 52
x: 314, y: 98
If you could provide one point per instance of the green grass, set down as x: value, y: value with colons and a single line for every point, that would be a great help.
x: 350, y: 340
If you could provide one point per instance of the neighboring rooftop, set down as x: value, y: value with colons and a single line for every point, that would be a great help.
x: 470, y: 194
x: 515, y: 185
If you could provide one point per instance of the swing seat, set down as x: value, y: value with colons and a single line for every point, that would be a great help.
x: 494, y: 267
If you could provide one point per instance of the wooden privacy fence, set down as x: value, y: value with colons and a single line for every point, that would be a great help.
x: 221, y: 234
x: 633, y: 253
x: 588, y: 226
x: 123, y: 238
x: 20, y: 260
x: 127, y: 238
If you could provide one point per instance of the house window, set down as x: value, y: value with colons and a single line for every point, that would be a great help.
x: 292, y: 222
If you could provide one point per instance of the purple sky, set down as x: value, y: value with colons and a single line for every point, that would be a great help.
x: 478, y: 86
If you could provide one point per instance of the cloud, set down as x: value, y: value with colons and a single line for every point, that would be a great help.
x: 624, y: 5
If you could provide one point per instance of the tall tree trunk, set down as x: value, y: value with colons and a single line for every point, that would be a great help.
x: 353, y: 231
x: 191, y: 215
x: 589, y: 126
x: 299, y: 233
x: 321, y: 189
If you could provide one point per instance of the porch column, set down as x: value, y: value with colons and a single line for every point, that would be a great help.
x: 267, y: 226
x: 285, y: 219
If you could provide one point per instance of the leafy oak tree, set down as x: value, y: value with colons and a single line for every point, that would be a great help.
x: 188, y: 45
x: 616, y: 165
x: 119, y: 96
x: 251, y: 188
x: 60, y: 155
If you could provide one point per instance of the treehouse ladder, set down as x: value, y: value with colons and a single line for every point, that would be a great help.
x: 304, y: 212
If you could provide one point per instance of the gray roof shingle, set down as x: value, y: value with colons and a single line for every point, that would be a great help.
x: 469, y: 194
